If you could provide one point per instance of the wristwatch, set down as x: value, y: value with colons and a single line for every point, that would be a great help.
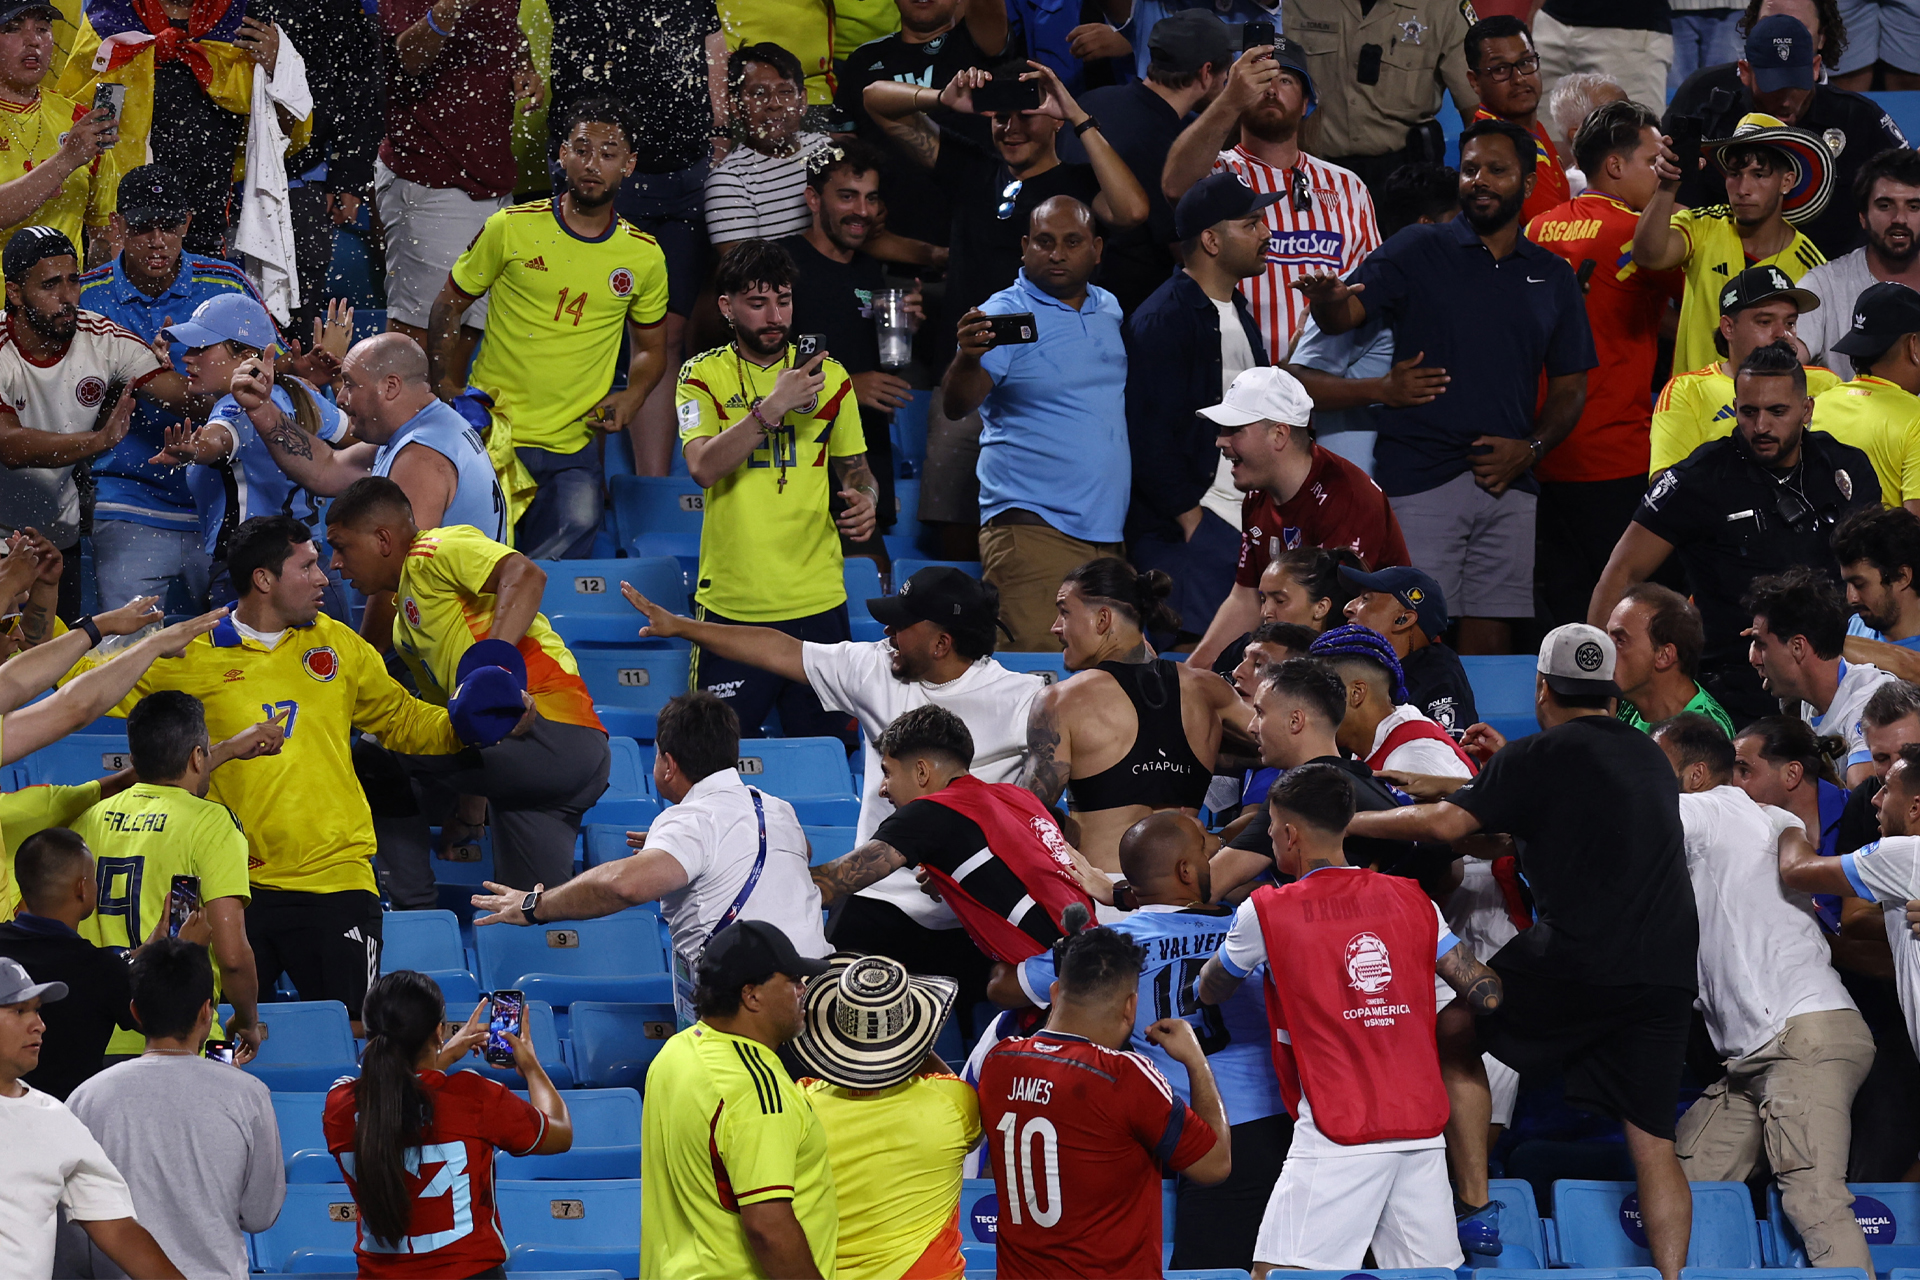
x: 1539, y: 448
x: 527, y: 905
x: 1089, y: 123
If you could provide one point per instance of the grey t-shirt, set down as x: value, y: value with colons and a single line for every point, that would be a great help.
x: 197, y: 1143
x: 1838, y: 284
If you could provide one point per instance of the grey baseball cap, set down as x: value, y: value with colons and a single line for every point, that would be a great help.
x: 18, y: 987
x: 1578, y: 659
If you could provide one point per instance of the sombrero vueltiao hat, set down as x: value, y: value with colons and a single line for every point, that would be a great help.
x: 1811, y: 160
x: 869, y: 1023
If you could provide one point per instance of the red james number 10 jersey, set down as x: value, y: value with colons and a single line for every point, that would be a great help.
x: 1081, y: 1136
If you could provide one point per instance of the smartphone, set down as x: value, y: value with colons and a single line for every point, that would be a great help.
x: 1013, y: 330
x: 503, y: 1015
x: 1256, y: 32
x: 1007, y: 94
x: 183, y: 899
x: 808, y: 345
x: 109, y: 98
x: 220, y: 1051
x: 1686, y: 144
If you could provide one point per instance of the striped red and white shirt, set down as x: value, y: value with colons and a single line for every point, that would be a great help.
x: 1334, y: 232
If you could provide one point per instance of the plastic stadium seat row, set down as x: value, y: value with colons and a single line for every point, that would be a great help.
x: 618, y: 957
x: 1503, y: 691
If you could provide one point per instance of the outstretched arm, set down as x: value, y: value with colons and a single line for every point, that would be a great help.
x: 761, y: 647
x: 1442, y: 823
x: 1657, y: 245
x: 1638, y: 554
x: 1802, y: 867
x: 1473, y: 980
x: 598, y: 891
x: 871, y: 863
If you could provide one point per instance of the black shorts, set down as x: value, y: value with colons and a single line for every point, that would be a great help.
x: 327, y: 943
x: 1621, y: 1049
x: 754, y: 693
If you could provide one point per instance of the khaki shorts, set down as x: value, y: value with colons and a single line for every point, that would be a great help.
x: 426, y: 229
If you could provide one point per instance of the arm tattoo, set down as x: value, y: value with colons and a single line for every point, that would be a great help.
x: 869, y: 864
x: 917, y: 136
x: 1044, y: 775
x: 853, y: 472
x: 36, y: 621
x: 288, y: 437
x: 1479, y: 985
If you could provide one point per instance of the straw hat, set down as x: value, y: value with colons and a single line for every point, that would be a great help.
x: 869, y: 1023
x: 1811, y: 160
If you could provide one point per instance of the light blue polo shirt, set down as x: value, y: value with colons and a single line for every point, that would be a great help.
x: 1053, y: 431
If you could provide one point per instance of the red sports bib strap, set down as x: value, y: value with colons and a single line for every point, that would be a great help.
x: 1414, y: 731
x: 1022, y: 835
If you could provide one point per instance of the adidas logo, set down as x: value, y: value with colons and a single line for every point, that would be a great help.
x: 537, y: 264
x: 1720, y: 268
x: 736, y: 401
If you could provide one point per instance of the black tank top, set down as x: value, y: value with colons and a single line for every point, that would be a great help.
x: 1160, y: 769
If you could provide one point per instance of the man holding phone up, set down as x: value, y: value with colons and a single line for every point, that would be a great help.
x: 773, y: 435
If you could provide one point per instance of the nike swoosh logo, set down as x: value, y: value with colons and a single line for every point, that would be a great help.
x: 1531, y: 280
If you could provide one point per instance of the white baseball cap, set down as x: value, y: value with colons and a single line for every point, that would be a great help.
x: 1268, y: 394
x: 1578, y: 659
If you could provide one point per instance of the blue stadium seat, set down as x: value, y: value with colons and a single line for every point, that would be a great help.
x: 1598, y: 1225
x: 77, y: 758
x: 1774, y: 1273
x: 905, y: 568
x: 315, y: 1216
x: 830, y: 842
x: 910, y: 427
x: 617, y: 957
x: 303, y: 1142
x: 309, y: 1045
x: 430, y: 942
x: 1235, y: 1273
x: 656, y: 504
x: 1050, y: 667
x: 606, y: 1139
x: 862, y: 578
x: 630, y: 775
x: 593, y: 586
x: 639, y: 679
x: 546, y: 1041
x: 1523, y: 1236
x: 1888, y: 1214
x: 681, y: 547
x: 626, y: 722
x: 979, y: 1211
x: 614, y: 1042
x: 606, y: 842
x: 629, y: 813
x: 906, y: 524
x: 1503, y: 691
x: 985, y: 1257
x: 558, y: 1225
x: 811, y: 774
x: 1503, y: 1273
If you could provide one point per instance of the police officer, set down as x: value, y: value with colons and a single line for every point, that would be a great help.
x: 1381, y: 68
x: 1780, y: 76
x: 1756, y: 502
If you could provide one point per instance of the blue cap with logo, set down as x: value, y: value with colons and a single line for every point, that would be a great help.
x: 1780, y: 50
x: 1217, y: 198
x: 487, y: 688
x: 1410, y: 587
x: 231, y: 317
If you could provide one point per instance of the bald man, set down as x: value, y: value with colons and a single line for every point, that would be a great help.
x: 1164, y: 859
x: 409, y: 436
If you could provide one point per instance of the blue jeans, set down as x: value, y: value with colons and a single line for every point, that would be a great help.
x: 142, y: 560
x: 1702, y: 38
x: 565, y: 515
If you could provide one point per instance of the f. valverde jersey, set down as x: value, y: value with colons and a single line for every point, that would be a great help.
x: 1695, y: 408
x: 566, y: 301
x: 442, y: 606
x: 768, y: 547
x: 306, y: 817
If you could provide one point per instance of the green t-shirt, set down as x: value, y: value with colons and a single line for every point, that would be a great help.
x: 1702, y: 702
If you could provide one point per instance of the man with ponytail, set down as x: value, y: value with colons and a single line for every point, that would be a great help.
x: 416, y: 1144
x: 1131, y: 733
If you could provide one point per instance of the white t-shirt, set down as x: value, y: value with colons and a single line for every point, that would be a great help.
x: 1245, y: 948
x: 856, y: 676
x: 1762, y: 956
x: 1236, y: 357
x: 66, y: 398
x: 1838, y: 284
x: 1422, y: 755
x: 1887, y: 872
x: 753, y: 195
x: 48, y: 1158
x: 1858, y: 680
x: 714, y: 834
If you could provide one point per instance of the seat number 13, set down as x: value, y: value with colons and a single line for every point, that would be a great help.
x: 577, y: 308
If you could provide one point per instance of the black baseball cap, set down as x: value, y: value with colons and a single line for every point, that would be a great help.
x: 1780, y: 52
x: 30, y: 245
x: 1410, y: 587
x: 8, y: 12
x: 1291, y: 55
x: 952, y: 600
x: 1181, y: 43
x: 751, y: 951
x: 151, y: 196
x: 1761, y: 284
x: 1216, y: 198
x: 1883, y: 314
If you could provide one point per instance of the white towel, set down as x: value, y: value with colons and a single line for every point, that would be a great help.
x: 263, y: 235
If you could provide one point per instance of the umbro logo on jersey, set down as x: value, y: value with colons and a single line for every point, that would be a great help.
x: 235, y: 674
x: 537, y: 264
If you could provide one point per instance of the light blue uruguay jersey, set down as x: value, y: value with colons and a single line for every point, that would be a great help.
x: 477, y: 500
x: 126, y: 485
x: 1179, y: 941
x: 251, y: 481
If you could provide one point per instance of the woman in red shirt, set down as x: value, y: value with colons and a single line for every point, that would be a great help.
x: 416, y: 1144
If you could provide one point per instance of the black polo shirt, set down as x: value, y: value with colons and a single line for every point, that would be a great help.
x: 1493, y: 325
x: 1721, y: 509
x: 1852, y: 124
x: 1437, y: 684
x: 97, y: 999
x: 1141, y: 126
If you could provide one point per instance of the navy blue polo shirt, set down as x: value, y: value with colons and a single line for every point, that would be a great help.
x: 1493, y: 325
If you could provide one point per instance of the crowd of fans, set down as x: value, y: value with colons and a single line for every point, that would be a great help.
x: 1237, y: 396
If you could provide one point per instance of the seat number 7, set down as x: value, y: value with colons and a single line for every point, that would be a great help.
x: 577, y: 308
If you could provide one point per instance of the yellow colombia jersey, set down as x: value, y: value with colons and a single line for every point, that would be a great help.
x: 769, y: 550
x: 1696, y: 407
x: 896, y: 1156
x: 1714, y: 256
x: 441, y: 607
x: 306, y: 818
x: 1882, y: 421
x: 566, y: 302
x: 32, y: 809
x: 732, y: 1129
x: 29, y: 136
x: 141, y: 839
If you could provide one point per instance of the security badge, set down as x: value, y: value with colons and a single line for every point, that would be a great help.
x: 1844, y: 483
x: 1836, y: 141
x: 1412, y: 29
